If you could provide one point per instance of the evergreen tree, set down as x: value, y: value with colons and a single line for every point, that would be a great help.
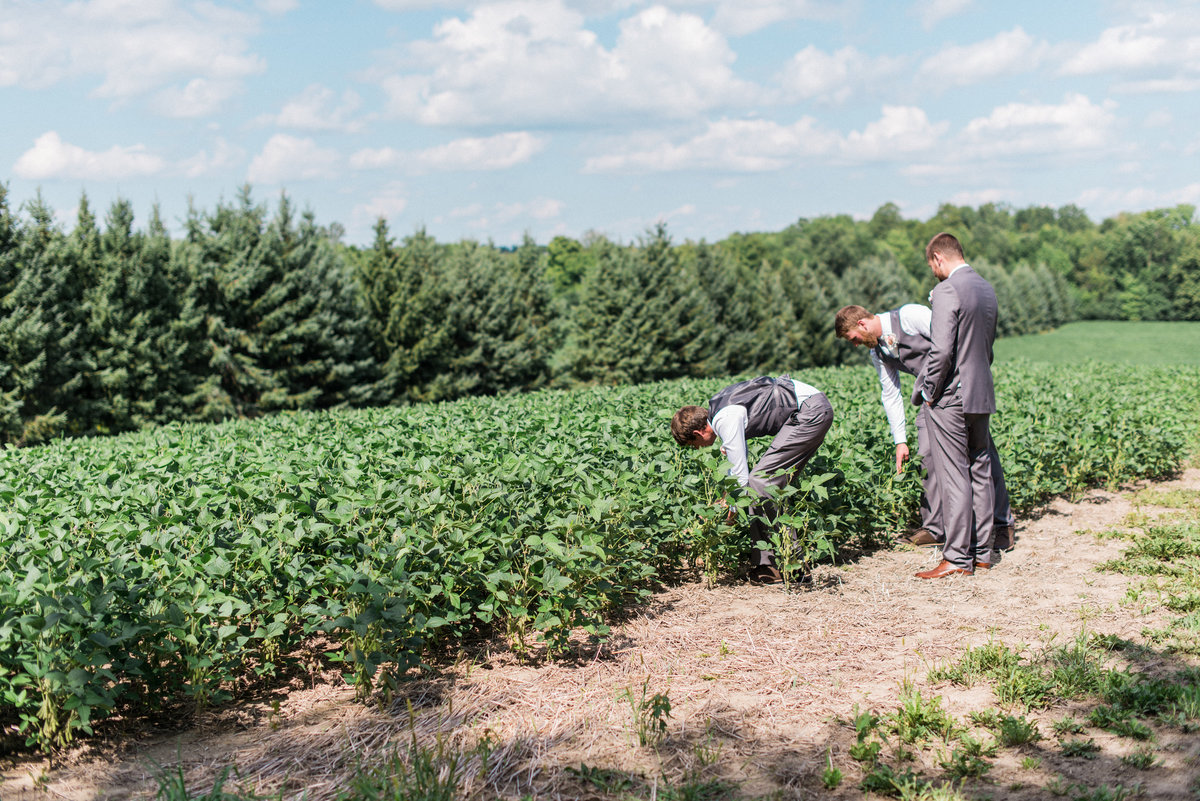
x: 644, y: 318
x: 308, y: 323
x: 43, y: 329
x: 225, y: 277
x: 879, y: 285
x: 409, y: 299
x: 11, y: 247
x: 133, y: 312
x: 813, y: 309
x: 736, y: 297
x: 502, y: 320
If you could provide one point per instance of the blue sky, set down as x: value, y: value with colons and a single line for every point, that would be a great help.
x: 489, y: 120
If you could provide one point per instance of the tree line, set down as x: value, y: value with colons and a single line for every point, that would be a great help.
x: 110, y: 327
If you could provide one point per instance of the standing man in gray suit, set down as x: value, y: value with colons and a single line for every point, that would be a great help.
x: 958, y: 396
x: 898, y: 342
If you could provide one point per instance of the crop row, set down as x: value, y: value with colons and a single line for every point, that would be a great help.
x: 174, y: 564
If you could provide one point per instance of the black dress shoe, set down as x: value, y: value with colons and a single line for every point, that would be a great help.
x: 765, y: 574
x: 1004, y: 539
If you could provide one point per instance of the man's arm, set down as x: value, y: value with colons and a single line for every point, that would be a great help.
x: 939, y: 364
x: 730, y: 426
x: 893, y: 406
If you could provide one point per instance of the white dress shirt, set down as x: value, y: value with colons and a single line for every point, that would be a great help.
x: 915, y: 319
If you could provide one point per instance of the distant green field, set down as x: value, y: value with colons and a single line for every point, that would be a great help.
x: 1133, y: 343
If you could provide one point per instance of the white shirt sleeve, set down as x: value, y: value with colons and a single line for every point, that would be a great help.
x: 893, y: 402
x: 730, y: 426
x: 917, y: 319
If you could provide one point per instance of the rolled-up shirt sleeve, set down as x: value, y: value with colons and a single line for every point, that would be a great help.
x: 730, y: 425
x: 893, y: 401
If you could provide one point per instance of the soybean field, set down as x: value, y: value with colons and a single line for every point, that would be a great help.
x: 174, y: 566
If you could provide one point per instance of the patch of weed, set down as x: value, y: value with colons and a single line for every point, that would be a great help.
x: 1080, y: 748
x: 1141, y: 759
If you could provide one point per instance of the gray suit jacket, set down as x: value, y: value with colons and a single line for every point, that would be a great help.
x: 963, y: 329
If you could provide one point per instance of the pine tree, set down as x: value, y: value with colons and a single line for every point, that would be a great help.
x: 43, y: 330
x: 220, y: 254
x: 134, y: 310
x: 503, y: 326
x: 408, y: 302
x: 312, y: 333
x: 643, y: 318
x: 11, y: 249
x: 879, y: 285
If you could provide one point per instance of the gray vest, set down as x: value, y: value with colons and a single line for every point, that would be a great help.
x: 911, y: 349
x: 769, y: 403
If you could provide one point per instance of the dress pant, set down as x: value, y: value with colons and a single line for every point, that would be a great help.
x: 790, y: 451
x: 960, y: 447
x: 931, y: 506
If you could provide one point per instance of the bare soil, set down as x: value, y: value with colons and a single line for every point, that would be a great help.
x: 761, y: 681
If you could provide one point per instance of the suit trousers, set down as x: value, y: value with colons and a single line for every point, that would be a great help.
x: 789, y: 452
x: 960, y: 446
x: 931, y: 506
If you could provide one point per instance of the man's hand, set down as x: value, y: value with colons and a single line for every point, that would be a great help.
x: 901, y: 456
x: 731, y: 515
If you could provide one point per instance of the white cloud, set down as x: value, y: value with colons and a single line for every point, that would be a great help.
x: 200, y: 97
x: 51, y: 157
x: 534, y: 61
x: 493, y: 153
x: 486, y: 218
x: 1075, y: 126
x: 318, y: 108
x: 931, y: 12
x: 223, y: 157
x: 761, y: 145
x: 289, y: 158
x: 135, y: 47
x: 736, y: 145
x: 740, y: 17
x: 1104, y: 201
x: 278, y: 6
x: 1125, y: 47
x: 813, y: 73
x: 979, y: 197
x: 490, y: 153
x: 1174, y: 86
x: 388, y: 203
x: 1006, y: 53
x: 901, y: 130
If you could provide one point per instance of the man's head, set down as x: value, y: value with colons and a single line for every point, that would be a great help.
x: 690, y: 427
x: 943, y: 254
x: 857, y: 326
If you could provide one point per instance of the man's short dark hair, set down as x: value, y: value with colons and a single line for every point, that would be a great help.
x: 686, y: 422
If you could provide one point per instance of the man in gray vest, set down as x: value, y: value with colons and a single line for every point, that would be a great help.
x: 899, y: 342
x: 795, y: 414
x: 958, y: 396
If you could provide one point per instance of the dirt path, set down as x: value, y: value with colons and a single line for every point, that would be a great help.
x: 760, y: 682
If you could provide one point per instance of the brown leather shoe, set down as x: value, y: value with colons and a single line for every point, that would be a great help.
x: 1005, y: 538
x: 945, y: 569
x: 983, y: 565
x: 921, y: 536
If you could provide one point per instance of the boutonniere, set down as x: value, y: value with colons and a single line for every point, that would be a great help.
x: 889, y: 340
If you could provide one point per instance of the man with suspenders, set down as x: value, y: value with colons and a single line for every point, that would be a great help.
x: 795, y: 414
